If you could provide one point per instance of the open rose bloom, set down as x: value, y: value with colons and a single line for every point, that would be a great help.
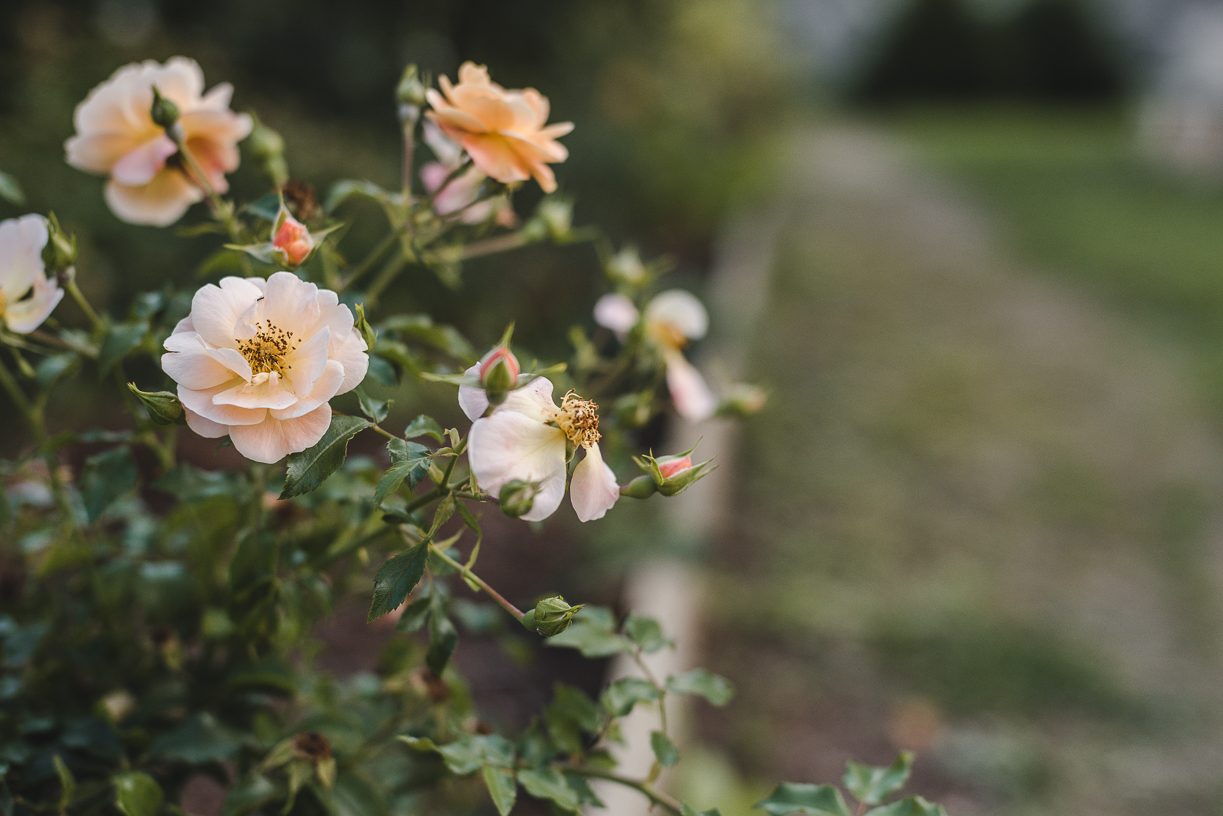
x: 27, y: 295
x: 504, y: 132
x: 672, y: 319
x: 526, y: 439
x: 117, y: 137
x: 259, y: 359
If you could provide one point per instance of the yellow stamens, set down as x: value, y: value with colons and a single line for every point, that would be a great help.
x: 267, y: 350
x: 579, y: 419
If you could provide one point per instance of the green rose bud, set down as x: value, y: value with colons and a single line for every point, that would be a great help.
x: 164, y: 112
x: 640, y: 488
x: 551, y: 616
x: 557, y: 216
x: 163, y: 407
x: 60, y: 252
x: 517, y: 498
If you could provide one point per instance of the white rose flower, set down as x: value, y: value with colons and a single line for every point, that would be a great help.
x: 525, y: 439
x: 117, y: 137
x: 27, y: 295
x: 259, y: 359
x: 672, y: 319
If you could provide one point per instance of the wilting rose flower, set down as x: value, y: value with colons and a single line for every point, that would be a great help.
x: 503, y: 131
x: 459, y: 197
x: 259, y: 359
x: 27, y: 295
x: 525, y: 440
x: 671, y: 319
x: 117, y: 137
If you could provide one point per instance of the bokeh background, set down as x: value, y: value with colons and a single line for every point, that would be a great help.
x: 981, y: 516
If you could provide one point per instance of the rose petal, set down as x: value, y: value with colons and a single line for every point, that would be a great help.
x: 511, y: 446
x: 593, y: 489
x: 616, y: 312
x: 274, y: 439
x: 692, y: 397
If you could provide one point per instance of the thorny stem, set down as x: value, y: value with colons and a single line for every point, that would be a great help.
x: 657, y: 797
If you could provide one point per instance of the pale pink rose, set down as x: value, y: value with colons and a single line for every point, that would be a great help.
x: 259, y: 359
x: 672, y: 319
x: 504, y: 131
x: 27, y: 295
x: 525, y: 439
x: 117, y: 137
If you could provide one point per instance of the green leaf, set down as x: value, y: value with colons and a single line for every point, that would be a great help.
x: 199, y: 739
x: 382, y: 371
x: 810, y: 800
x: 10, y: 190
x: 714, y: 688
x: 424, y: 425
x: 570, y: 716
x: 375, y: 409
x: 443, y: 637
x: 421, y: 328
x: 621, y: 695
x: 105, y: 477
x: 911, y: 806
x: 345, y: 189
x: 308, y: 469
x: 120, y: 339
x: 593, y: 633
x: 688, y: 810
x: 664, y: 749
x: 414, y: 616
x: 409, y: 462
x: 469, y: 752
x: 396, y: 578
x: 646, y: 633
x: 137, y: 794
x: 502, y: 787
x: 548, y: 783
x: 872, y: 784
x: 254, y: 559
x: 247, y: 795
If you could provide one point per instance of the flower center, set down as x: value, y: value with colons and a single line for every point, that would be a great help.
x: 579, y: 419
x: 267, y: 350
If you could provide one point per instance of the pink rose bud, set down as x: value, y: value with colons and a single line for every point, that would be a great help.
x: 293, y: 239
x: 500, y: 355
x: 669, y: 469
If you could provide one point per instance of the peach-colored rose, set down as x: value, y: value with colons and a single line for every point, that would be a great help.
x: 503, y: 131
x: 116, y: 137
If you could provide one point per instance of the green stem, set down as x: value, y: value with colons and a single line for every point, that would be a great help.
x: 375, y: 254
x: 498, y: 243
x: 478, y: 581
x: 655, y: 796
x: 384, y: 279
x: 220, y: 210
x: 79, y: 297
